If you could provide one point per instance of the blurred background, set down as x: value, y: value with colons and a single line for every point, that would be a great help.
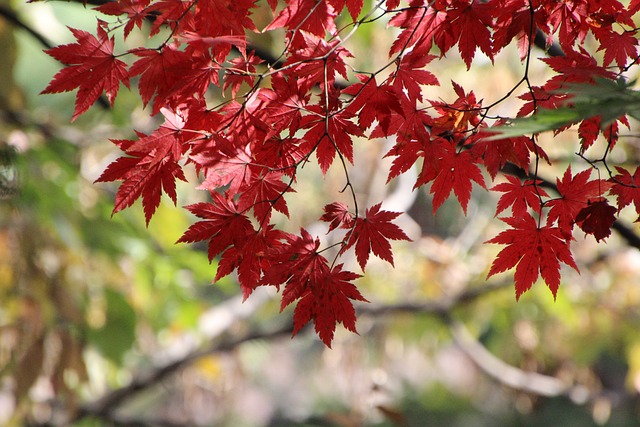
x: 106, y: 322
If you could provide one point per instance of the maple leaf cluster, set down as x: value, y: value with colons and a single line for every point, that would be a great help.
x: 308, y: 105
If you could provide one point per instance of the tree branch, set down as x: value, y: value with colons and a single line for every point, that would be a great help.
x: 441, y: 308
x: 106, y: 407
x: 515, y: 378
x: 10, y: 16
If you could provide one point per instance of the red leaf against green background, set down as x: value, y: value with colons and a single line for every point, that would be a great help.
x: 627, y: 188
x: 91, y: 68
x: 372, y: 234
x: 533, y: 251
x: 328, y: 302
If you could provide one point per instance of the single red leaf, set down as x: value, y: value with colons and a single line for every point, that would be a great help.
x: 337, y: 215
x: 597, y: 219
x: 353, y: 6
x: 134, y: 9
x: 626, y: 188
x: 533, y: 251
x: 410, y: 73
x: 328, y: 302
x: 306, y: 15
x: 496, y: 154
x: 159, y: 72
x: 373, y: 101
x: 455, y: 171
x: 514, y: 20
x: 226, y: 167
x: 372, y: 234
x: 222, y: 224
x: 471, y: 23
x: 92, y: 68
x: 315, y: 61
x: 618, y: 47
x: 264, y: 193
x: 328, y: 135
x: 152, y: 168
x: 520, y: 196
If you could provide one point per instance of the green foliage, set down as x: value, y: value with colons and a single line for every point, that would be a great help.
x: 117, y: 335
x: 605, y: 98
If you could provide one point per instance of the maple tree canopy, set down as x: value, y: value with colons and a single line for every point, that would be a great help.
x: 309, y: 105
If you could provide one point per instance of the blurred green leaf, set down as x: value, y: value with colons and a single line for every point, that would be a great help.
x: 118, y: 333
x: 606, y: 98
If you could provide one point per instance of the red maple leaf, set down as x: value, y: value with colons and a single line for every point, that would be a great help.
x: 375, y: 102
x: 152, y: 168
x: 226, y: 167
x: 159, y: 72
x: 520, y: 196
x: 412, y: 124
x: 306, y: 15
x: 134, y: 9
x: 168, y: 13
x: 570, y: 20
x: 533, y: 251
x: 264, y: 193
x: 626, y: 188
x: 328, y: 135
x: 252, y: 257
x: 455, y: 171
x: 597, y: 219
x: 576, y: 192
x: 92, y: 68
x: 514, y: 20
x: 242, y: 70
x: 222, y: 224
x: 470, y: 23
x: 353, y: 6
x: 328, y: 302
x: 618, y: 47
x: 410, y: 73
x: 337, y: 215
x: 496, y: 154
x: 372, y: 234
x: 314, y: 61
